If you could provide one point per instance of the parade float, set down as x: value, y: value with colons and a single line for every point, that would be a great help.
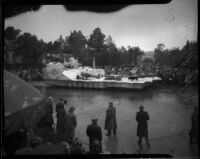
x: 72, y: 74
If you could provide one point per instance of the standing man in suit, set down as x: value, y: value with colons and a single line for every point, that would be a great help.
x: 142, y: 127
x: 95, y: 134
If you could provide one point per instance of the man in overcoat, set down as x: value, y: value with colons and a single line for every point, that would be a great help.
x: 94, y: 133
x: 47, y: 119
x: 60, y: 126
x: 110, y: 122
x: 142, y: 127
x: 70, y: 124
x: 60, y: 104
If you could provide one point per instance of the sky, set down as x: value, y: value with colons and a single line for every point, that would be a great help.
x: 136, y: 25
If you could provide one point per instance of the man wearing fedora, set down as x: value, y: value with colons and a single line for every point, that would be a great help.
x: 60, y: 115
x: 142, y: 127
x: 94, y: 133
x: 70, y: 124
x: 110, y: 122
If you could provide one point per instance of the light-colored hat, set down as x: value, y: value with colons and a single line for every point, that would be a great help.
x: 141, y: 107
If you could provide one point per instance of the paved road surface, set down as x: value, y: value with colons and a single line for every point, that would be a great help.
x: 169, y: 122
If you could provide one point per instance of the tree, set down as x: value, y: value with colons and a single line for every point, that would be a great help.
x: 160, y: 46
x: 61, y: 42
x: 124, y: 56
x: 76, y: 45
x: 148, y: 60
x: 160, y: 54
x: 30, y: 49
x: 11, y: 33
x: 56, y: 47
x: 190, y: 52
x: 113, y: 57
x: 122, y: 50
x: 135, y: 54
x: 96, y: 42
x: 49, y: 47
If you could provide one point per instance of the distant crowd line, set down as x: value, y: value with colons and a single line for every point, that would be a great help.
x: 172, y: 75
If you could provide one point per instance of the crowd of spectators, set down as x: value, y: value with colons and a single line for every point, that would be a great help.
x: 178, y: 76
x: 127, y: 70
x: 118, y: 70
x: 31, y: 74
x: 28, y: 74
x: 172, y: 75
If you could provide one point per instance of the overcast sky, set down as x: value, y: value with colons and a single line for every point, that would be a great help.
x: 136, y: 25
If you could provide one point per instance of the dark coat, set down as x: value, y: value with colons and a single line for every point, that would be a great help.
x: 59, y: 105
x: 60, y: 127
x: 47, y: 119
x: 94, y: 132
x: 110, y: 122
x: 142, y: 128
x: 50, y: 105
x: 70, y: 125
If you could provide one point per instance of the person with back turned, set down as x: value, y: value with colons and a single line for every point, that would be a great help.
x: 60, y: 114
x: 47, y: 119
x: 110, y: 122
x: 70, y: 124
x: 94, y: 133
x: 142, y: 127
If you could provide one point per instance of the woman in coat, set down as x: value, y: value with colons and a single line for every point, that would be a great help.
x: 70, y: 124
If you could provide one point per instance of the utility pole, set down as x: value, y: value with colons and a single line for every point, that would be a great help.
x: 93, y: 62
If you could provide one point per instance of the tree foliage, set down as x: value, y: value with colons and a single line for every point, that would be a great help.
x: 76, y: 45
x: 96, y: 41
x: 184, y: 60
x: 104, y: 49
x: 30, y: 49
x: 11, y: 33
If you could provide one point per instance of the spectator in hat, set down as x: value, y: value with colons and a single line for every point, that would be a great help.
x: 94, y: 133
x: 47, y: 119
x: 110, y: 122
x: 50, y: 102
x: 60, y: 104
x: 60, y: 114
x: 142, y: 128
x: 70, y: 124
x: 65, y: 104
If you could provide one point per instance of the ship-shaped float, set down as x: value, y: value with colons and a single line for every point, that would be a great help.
x: 71, y: 74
